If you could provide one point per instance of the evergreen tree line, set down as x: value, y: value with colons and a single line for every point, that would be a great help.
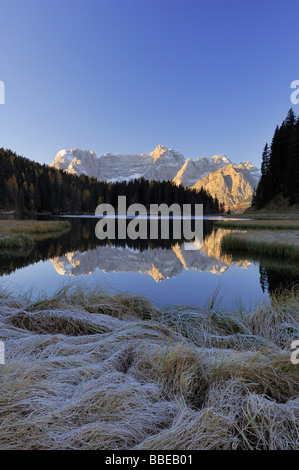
x: 27, y: 186
x: 280, y: 164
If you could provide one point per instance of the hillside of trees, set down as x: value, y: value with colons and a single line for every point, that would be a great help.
x: 27, y: 186
x: 280, y: 165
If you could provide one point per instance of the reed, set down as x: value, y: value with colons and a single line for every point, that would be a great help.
x: 21, y: 235
x: 277, y: 249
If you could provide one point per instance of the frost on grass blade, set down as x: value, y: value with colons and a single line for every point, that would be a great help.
x: 2, y: 353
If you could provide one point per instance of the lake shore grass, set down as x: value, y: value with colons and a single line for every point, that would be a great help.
x: 22, y: 234
x: 88, y: 370
x: 265, y: 243
x: 259, y: 224
x: 260, y: 215
x: 269, y: 235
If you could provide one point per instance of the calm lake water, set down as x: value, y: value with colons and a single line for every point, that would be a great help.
x: 163, y: 270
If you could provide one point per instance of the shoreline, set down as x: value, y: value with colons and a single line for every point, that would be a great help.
x: 22, y: 234
x: 277, y: 244
x: 264, y: 224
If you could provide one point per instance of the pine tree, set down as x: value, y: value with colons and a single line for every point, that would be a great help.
x: 263, y: 192
x: 280, y: 165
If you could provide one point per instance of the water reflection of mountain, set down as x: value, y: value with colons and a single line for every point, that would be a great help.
x: 79, y: 252
x: 81, y: 239
x: 157, y: 262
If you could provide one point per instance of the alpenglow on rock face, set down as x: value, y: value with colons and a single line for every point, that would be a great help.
x: 232, y: 184
x: 77, y: 162
x: 193, y: 170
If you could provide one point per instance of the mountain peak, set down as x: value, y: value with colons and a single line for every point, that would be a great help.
x: 161, y: 147
x: 219, y: 158
x: 159, y: 150
x: 76, y: 161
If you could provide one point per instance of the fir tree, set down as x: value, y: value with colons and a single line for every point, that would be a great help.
x: 280, y: 164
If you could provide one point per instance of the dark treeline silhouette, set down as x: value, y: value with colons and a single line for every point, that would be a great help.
x: 280, y: 165
x: 27, y: 186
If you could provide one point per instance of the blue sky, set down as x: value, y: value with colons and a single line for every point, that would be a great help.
x: 200, y: 76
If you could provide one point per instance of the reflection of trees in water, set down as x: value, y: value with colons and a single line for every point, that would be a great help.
x: 278, y: 276
x: 81, y: 238
x: 274, y: 273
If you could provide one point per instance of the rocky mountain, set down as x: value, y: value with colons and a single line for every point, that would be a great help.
x: 159, y: 165
x: 232, y: 184
x: 77, y: 162
x: 193, y: 170
x: 166, y: 164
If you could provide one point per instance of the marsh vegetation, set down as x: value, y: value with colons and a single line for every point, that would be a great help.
x: 88, y: 370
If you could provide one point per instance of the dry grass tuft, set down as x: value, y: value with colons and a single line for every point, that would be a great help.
x: 88, y: 370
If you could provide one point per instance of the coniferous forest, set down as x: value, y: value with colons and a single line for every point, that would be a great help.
x: 27, y: 186
x: 280, y: 165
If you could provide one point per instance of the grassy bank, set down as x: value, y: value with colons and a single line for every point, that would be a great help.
x: 272, y: 216
x: 258, y: 224
x: 281, y: 245
x: 87, y: 370
x: 21, y: 234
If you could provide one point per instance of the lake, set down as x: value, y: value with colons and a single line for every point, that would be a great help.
x: 165, y: 271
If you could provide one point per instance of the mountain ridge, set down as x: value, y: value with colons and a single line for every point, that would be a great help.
x: 231, y: 183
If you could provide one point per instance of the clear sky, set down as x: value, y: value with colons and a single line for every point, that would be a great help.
x: 200, y: 76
